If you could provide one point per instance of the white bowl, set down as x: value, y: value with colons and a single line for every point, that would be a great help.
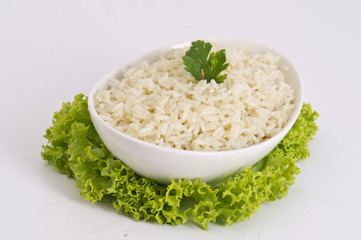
x: 162, y: 163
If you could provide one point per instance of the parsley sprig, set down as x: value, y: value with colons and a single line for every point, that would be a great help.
x: 205, y: 65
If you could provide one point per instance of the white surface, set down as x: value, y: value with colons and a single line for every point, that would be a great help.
x: 152, y: 161
x: 51, y: 51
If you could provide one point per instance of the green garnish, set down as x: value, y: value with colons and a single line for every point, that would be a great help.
x: 75, y: 149
x: 203, y: 65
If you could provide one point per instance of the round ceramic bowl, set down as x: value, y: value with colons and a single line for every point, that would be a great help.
x: 162, y: 163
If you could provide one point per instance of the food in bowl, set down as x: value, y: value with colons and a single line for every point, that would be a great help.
x: 162, y: 163
x: 161, y: 103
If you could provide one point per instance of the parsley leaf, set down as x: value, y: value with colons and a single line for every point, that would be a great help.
x: 203, y: 65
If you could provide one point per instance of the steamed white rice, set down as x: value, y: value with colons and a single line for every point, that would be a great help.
x: 161, y: 103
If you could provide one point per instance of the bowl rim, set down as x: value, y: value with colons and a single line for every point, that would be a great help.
x: 292, y: 118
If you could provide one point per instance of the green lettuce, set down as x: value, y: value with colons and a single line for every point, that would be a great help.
x: 74, y: 148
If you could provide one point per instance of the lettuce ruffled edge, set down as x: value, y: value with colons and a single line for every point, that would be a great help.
x: 74, y: 148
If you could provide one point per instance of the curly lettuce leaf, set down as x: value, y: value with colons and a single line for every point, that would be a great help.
x: 74, y: 148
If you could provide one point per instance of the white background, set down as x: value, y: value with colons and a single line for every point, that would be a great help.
x: 52, y: 50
